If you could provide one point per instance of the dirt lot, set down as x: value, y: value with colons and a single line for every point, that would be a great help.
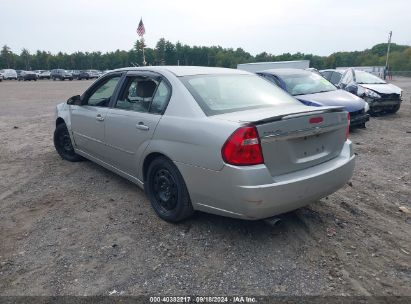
x: 78, y: 229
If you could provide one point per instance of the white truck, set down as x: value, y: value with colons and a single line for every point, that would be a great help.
x: 261, y: 66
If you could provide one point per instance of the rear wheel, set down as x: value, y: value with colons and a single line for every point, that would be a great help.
x: 167, y: 191
x: 63, y: 145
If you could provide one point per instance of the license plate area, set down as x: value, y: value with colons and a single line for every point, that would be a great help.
x: 308, y: 148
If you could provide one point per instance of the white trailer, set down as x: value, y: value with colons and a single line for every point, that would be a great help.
x: 376, y: 70
x: 261, y: 66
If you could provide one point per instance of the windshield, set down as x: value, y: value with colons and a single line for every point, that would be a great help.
x: 218, y: 94
x: 367, y: 78
x: 307, y: 83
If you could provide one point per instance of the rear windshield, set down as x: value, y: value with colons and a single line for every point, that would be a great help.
x: 218, y: 94
x: 307, y: 83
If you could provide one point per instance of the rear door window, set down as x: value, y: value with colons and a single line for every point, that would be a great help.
x: 335, y: 78
x: 144, y: 94
x: 326, y: 74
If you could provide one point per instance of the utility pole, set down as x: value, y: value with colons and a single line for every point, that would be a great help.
x: 388, y: 53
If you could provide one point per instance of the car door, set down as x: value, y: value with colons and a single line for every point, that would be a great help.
x: 88, y: 120
x: 131, y: 122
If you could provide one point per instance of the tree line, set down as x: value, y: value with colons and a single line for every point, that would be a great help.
x: 168, y: 53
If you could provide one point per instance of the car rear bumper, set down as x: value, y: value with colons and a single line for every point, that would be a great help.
x: 252, y: 193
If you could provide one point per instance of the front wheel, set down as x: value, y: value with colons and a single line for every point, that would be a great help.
x: 167, y: 191
x: 63, y: 145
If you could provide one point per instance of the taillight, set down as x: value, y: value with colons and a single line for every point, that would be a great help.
x: 243, y: 147
x: 316, y: 120
x: 347, y: 131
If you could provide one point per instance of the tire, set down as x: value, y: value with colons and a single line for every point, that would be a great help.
x: 63, y: 145
x: 167, y: 191
x: 54, y: 79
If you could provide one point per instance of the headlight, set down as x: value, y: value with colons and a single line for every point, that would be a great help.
x: 367, y: 92
x: 366, y: 107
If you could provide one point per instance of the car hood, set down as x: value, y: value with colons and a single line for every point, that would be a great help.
x: 342, y: 98
x: 383, y: 88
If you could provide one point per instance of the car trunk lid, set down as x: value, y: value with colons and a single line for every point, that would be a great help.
x: 296, y: 138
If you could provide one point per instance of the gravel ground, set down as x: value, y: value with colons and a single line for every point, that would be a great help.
x: 78, y: 229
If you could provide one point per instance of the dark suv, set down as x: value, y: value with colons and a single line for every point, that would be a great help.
x: 61, y: 74
x: 27, y: 76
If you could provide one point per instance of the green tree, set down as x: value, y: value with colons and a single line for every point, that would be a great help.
x: 7, y: 56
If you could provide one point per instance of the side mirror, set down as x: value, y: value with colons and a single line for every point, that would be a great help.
x: 74, y: 100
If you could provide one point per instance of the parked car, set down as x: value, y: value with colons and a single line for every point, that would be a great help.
x: 9, y: 74
x: 27, y: 76
x: 84, y: 75
x: 313, y: 90
x: 18, y: 73
x: 45, y: 75
x: 38, y: 72
x: 333, y: 76
x: 75, y: 73
x: 94, y: 73
x: 60, y: 74
x: 217, y: 140
x: 380, y: 95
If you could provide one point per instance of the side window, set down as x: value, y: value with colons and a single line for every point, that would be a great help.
x: 161, y: 98
x: 326, y: 74
x: 102, y: 94
x: 335, y: 78
x: 144, y: 94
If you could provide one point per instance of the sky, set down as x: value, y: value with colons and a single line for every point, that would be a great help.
x: 319, y: 27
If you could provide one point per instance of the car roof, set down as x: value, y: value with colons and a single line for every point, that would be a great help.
x: 341, y: 71
x: 187, y: 70
x: 284, y: 72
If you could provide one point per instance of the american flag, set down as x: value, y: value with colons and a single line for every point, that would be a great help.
x: 140, y: 29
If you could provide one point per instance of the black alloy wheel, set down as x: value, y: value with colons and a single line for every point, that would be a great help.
x: 63, y: 145
x: 167, y: 191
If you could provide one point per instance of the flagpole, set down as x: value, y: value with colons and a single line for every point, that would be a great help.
x: 142, y: 46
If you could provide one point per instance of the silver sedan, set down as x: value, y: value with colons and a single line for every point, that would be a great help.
x: 217, y: 140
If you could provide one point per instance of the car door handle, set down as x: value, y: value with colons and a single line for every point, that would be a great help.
x: 99, y: 117
x: 142, y: 126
